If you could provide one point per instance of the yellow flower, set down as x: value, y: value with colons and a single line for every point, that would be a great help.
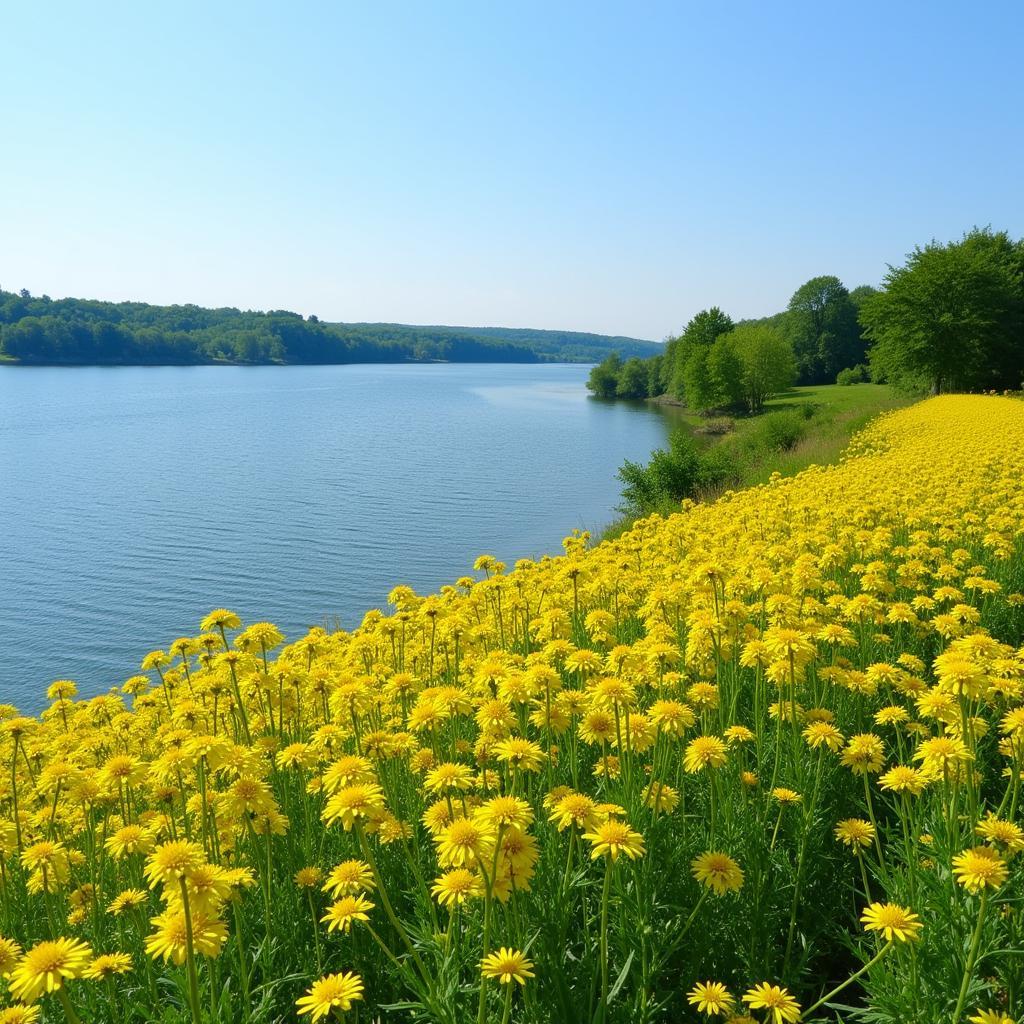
x: 456, y: 887
x: 781, y: 1006
x: 894, y: 922
x: 864, y: 753
x: 505, y: 811
x: 352, y: 805
x: 170, y: 939
x: 711, y: 997
x: 904, y: 779
x: 220, y: 619
x: 463, y: 843
x: 21, y: 1014
x: 979, y: 868
x: 107, y: 965
x: 333, y: 991
x: 449, y: 778
x: 1005, y: 834
x: 574, y: 809
x: 127, y: 900
x: 46, y: 967
x: 855, y: 833
x: 129, y: 839
x: 614, y: 837
x: 507, y: 965
x: 981, y: 1017
x: 704, y: 752
x: 10, y: 953
x: 348, y: 877
x: 340, y: 915
x: 309, y: 878
x: 172, y: 861
x: 823, y: 734
x: 718, y: 871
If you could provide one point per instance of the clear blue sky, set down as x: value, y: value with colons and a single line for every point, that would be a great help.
x: 589, y: 166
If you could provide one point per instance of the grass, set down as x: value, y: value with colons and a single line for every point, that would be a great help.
x: 837, y: 414
x: 804, y: 426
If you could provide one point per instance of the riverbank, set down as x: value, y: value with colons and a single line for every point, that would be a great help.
x: 804, y: 426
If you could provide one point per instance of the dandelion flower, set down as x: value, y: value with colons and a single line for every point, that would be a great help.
x: 979, y: 868
x: 340, y: 915
x: 507, y: 965
x: 781, y: 1006
x: 10, y: 954
x: 333, y: 991
x: 855, y: 833
x: 614, y: 837
x: 107, y: 965
x: 172, y: 861
x: 710, y: 997
x: 981, y: 1017
x: 718, y: 871
x: 348, y: 877
x: 704, y: 752
x: 457, y: 886
x: 893, y: 921
x: 21, y: 1014
x: 574, y: 809
x: 46, y: 967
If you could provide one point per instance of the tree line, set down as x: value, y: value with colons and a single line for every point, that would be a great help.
x: 41, y: 330
x: 950, y: 318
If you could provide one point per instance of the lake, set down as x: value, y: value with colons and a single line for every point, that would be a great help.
x: 134, y: 500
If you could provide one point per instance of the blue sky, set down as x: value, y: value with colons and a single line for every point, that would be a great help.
x: 587, y: 166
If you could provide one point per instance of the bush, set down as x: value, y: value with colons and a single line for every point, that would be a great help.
x: 853, y: 375
x: 669, y: 477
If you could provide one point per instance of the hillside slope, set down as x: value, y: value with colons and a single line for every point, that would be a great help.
x: 45, y: 331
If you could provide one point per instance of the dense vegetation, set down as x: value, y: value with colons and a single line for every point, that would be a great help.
x: 705, y: 456
x: 951, y: 318
x: 758, y: 761
x: 82, y: 331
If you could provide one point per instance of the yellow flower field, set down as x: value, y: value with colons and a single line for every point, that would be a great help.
x: 759, y: 761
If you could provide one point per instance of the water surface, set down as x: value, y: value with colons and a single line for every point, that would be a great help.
x: 134, y: 500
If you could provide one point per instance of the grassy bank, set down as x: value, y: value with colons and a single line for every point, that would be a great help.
x: 803, y: 427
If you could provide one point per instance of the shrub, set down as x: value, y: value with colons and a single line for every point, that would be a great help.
x: 853, y: 375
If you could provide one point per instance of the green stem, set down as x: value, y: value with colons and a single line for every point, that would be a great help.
x: 190, y: 957
x: 69, y: 1010
x: 851, y: 979
x: 605, y: 893
x: 971, y: 958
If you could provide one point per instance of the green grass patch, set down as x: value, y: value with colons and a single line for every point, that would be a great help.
x: 706, y: 456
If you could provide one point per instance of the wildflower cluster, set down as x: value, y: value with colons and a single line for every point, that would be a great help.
x: 674, y: 776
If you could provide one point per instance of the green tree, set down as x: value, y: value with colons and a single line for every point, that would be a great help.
x: 604, y: 378
x: 768, y: 364
x: 821, y: 324
x: 701, y: 332
x: 726, y: 367
x: 951, y: 317
x: 699, y: 387
x: 632, y: 381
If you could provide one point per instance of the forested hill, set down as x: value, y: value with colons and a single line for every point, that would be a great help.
x: 85, y: 331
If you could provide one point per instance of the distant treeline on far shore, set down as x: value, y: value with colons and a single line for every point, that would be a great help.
x: 41, y: 330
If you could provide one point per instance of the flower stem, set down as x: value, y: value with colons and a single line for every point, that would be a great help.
x: 851, y: 979
x: 971, y: 958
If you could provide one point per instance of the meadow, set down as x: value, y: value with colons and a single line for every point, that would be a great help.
x: 758, y: 760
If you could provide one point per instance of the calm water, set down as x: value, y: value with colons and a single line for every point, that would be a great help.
x: 132, y: 501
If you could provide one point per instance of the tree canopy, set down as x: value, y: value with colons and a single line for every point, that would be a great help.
x: 45, y: 330
x: 952, y: 317
x: 821, y: 324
